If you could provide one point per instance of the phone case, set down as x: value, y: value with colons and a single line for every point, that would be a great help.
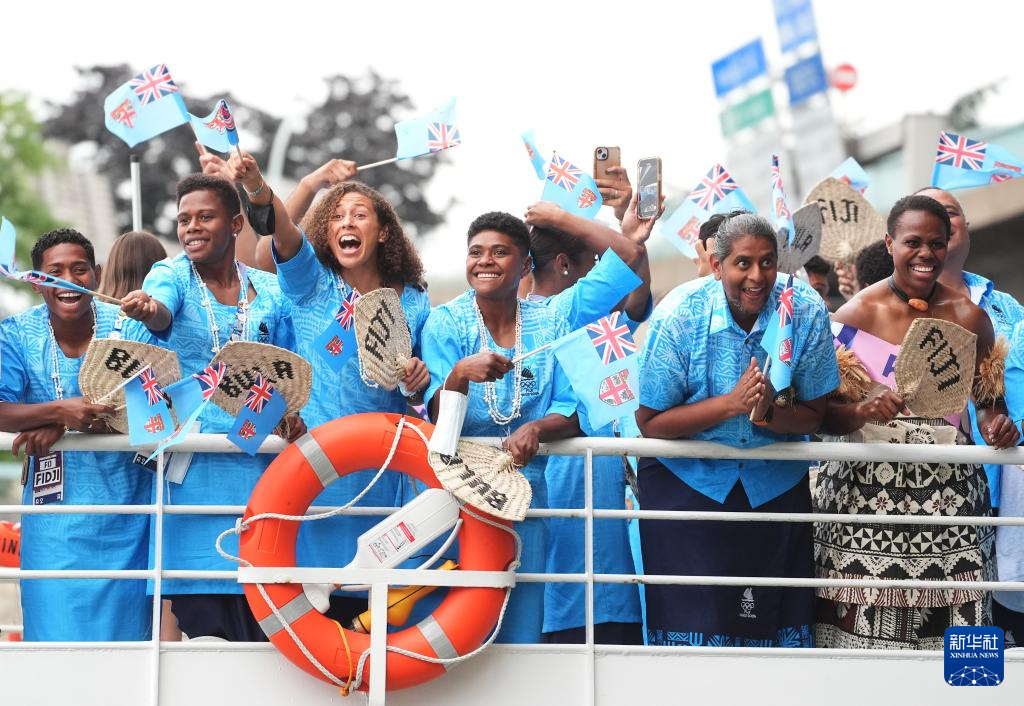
x: 601, y: 165
x: 646, y: 214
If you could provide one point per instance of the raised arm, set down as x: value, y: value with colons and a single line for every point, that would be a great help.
x: 245, y: 171
x: 597, y: 236
x: 333, y: 172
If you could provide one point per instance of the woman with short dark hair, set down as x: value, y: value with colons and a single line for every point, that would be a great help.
x: 701, y: 378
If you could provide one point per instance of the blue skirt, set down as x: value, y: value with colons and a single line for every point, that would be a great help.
x: 725, y: 616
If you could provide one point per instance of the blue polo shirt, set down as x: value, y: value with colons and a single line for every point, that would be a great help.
x: 695, y: 350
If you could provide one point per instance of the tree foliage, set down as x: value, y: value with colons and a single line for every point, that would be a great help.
x: 354, y: 122
x: 963, y: 114
x: 23, y: 156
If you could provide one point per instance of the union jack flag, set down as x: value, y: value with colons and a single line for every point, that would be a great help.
x: 151, y: 387
x: 347, y: 310
x: 210, y: 379
x: 259, y: 394
x: 786, y: 306
x: 442, y: 136
x: 612, y: 340
x: 714, y: 187
x: 124, y: 113
x: 563, y: 173
x: 960, y: 152
x: 153, y: 84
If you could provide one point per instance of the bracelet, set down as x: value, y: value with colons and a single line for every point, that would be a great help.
x: 254, y: 194
x: 767, y: 418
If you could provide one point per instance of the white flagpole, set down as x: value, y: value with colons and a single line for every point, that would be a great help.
x: 136, y: 192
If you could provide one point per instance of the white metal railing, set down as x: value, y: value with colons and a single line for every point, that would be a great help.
x: 586, y: 447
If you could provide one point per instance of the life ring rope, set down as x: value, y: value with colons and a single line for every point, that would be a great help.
x: 345, y: 686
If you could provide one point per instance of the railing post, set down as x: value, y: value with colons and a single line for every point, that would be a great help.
x: 378, y: 644
x: 589, y: 689
x: 158, y: 537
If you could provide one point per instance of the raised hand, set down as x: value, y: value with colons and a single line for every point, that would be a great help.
x: 616, y: 192
x: 703, y: 259
x: 635, y: 229
x: 543, y: 214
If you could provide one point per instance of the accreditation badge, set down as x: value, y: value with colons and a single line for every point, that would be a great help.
x: 48, y: 478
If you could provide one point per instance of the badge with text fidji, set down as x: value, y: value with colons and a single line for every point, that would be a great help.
x: 974, y: 656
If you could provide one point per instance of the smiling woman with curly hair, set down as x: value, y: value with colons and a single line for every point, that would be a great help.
x: 351, y: 243
x: 396, y: 258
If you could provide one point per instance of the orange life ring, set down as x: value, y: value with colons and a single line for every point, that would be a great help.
x: 10, y: 544
x: 290, y: 484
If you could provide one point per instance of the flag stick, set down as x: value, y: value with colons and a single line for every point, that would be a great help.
x: 136, y: 176
x: 764, y: 371
x: 377, y: 164
x: 138, y: 373
x: 529, y: 354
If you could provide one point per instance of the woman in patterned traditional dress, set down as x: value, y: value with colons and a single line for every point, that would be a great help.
x: 878, y: 318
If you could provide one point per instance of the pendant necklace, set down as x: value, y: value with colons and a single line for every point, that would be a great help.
x: 239, y: 330
x: 918, y: 304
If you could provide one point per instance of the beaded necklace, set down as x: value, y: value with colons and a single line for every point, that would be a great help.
x: 491, y: 388
x: 58, y: 386
x: 239, y: 331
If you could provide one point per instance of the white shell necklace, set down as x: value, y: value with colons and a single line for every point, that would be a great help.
x: 240, y: 329
x: 491, y: 388
x: 58, y: 386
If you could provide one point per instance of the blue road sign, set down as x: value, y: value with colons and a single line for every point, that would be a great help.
x: 795, y: 20
x: 805, y: 78
x: 736, y: 69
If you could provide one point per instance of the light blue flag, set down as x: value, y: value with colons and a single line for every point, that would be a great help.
x: 777, y: 341
x: 149, y: 418
x: 188, y: 397
x: 781, y: 214
x: 717, y: 192
x: 853, y: 174
x: 568, y: 186
x: 536, y: 160
x: 263, y: 408
x: 8, y: 238
x: 145, y: 106
x: 602, y: 365
x: 433, y: 132
x: 961, y: 163
x: 217, y: 130
x: 337, y: 343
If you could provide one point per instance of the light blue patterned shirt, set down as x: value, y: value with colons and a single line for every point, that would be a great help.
x: 695, y: 350
x: 1005, y: 313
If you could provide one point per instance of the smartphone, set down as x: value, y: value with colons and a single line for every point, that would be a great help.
x: 648, y: 185
x: 605, y: 157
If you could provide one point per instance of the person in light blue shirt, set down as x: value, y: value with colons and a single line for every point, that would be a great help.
x: 469, y: 345
x: 581, y: 271
x: 1006, y: 313
x: 194, y: 303
x: 701, y: 378
x: 43, y: 350
x: 351, y: 241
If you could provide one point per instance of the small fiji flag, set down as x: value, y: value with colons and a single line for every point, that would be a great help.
x: 337, y: 343
x: 850, y: 172
x: 601, y: 363
x: 962, y: 162
x: 777, y: 341
x: 189, y: 396
x: 433, y: 132
x: 780, y: 210
x: 569, y: 187
x: 149, y: 418
x: 717, y: 192
x: 217, y: 130
x: 539, y: 165
x: 263, y: 409
x: 145, y: 106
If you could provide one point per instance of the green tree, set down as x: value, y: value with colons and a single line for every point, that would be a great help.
x: 963, y: 114
x: 23, y: 155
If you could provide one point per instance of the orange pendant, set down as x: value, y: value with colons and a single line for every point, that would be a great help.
x: 919, y: 304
